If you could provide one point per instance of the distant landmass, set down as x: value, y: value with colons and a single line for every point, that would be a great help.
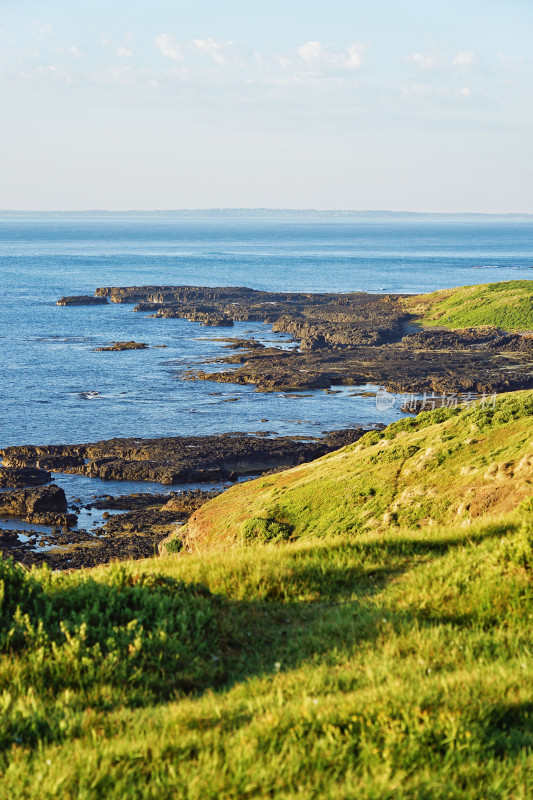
x: 277, y: 213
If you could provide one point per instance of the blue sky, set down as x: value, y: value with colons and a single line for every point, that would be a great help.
x: 391, y: 104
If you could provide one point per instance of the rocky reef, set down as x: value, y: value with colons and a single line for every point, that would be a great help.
x: 17, y: 477
x: 118, y: 346
x: 348, y: 339
x: 82, y: 300
x: 178, y: 459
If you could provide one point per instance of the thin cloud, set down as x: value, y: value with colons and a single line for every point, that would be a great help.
x: 424, y: 90
x: 45, y: 32
x: 29, y: 52
x: 311, y: 52
x: 321, y: 59
x: 57, y: 73
x: 425, y: 62
x: 464, y: 59
x: 210, y: 48
x: 124, y: 52
x: 417, y: 90
x: 514, y: 61
x: 353, y: 56
x: 168, y: 47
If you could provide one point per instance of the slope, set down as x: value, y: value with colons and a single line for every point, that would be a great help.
x: 444, y: 466
x: 506, y: 304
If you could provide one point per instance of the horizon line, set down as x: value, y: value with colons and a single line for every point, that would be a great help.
x: 269, y: 209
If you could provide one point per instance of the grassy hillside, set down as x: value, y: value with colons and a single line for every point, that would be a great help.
x: 507, y: 305
x: 372, y: 657
x: 390, y: 665
x: 448, y: 466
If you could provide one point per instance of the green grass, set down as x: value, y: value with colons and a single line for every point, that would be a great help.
x: 507, y: 305
x: 389, y: 665
x: 390, y: 661
x: 449, y: 466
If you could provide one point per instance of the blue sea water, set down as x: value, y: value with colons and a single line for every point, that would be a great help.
x: 48, y: 361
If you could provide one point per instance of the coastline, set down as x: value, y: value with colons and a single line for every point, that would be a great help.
x: 338, y: 340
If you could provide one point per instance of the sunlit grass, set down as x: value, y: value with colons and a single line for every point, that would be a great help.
x: 507, y: 305
x: 448, y: 466
x: 397, y: 664
x: 387, y: 662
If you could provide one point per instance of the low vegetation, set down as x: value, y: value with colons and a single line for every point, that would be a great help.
x: 388, y: 660
x: 507, y: 305
x: 447, y: 466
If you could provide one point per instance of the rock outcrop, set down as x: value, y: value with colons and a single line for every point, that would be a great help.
x: 46, y: 505
x: 17, y: 477
x: 118, y: 346
x: 82, y: 300
x: 23, y: 502
x: 175, y: 460
x: 349, y: 339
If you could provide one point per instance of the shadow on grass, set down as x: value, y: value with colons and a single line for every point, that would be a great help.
x: 340, y: 569
x: 509, y: 728
x: 140, y: 639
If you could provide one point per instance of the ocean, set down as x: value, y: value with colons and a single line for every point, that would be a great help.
x: 56, y: 389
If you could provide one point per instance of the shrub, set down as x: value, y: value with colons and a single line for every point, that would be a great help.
x: 260, y: 529
x: 149, y: 632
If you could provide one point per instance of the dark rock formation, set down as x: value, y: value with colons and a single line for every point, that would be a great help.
x: 135, y: 534
x: 175, y: 460
x: 9, y: 538
x: 46, y: 505
x: 348, y: 339
x: 183, y: 502
x: 130, y: 502
x: 76, y: 549
x: 65, y: 521
x: 14, y: 478
x: 145, y: 520
x: 114, y: 346
x: 485, y: 338
x: 23, y: 502
x: 82, y: 300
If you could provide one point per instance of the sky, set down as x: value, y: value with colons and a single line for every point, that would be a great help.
x: 409, y: 105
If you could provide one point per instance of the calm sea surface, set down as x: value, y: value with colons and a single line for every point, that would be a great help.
x: 48, y: 362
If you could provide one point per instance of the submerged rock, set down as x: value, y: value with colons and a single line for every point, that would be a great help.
x: 114, y: 346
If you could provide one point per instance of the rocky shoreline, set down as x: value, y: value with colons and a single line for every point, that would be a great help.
x: 147, y: 518
x: 339, y: 339
x: 342, y: 339
x: 82, y: 300
x: 178, y: 459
